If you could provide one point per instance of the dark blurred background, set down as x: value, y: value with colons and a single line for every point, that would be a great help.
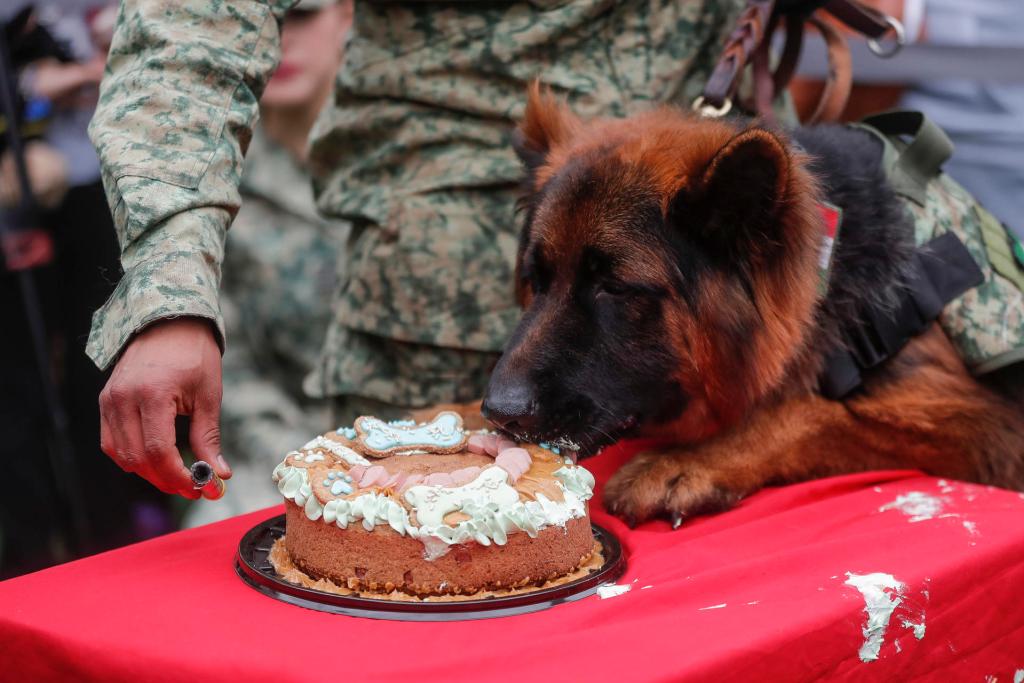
x: 62, y: 498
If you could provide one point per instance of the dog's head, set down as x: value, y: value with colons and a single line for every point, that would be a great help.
x: 666, y: 269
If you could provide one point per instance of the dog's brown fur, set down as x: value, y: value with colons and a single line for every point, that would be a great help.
x: 753, y: 415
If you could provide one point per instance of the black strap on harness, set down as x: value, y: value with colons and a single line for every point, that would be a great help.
x: 942, y: 270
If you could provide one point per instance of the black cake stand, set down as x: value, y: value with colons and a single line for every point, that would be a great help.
x: 253, y: 565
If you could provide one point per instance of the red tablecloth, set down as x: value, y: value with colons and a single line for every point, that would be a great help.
x: 756, y: 594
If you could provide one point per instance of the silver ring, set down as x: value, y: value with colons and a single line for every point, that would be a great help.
x: 710, y: 111
x: 889, y: 51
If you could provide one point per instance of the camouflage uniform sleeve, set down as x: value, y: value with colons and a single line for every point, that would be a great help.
x: 175, y: 116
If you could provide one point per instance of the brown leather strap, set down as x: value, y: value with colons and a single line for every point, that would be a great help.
x: 739, y: 48
x: 859, y: 17
x: 790, y: 52
x: 750, y: 43
x: 840, y: 74
x: 764, y: 84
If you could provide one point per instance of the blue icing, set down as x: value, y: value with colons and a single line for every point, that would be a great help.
x: 402, y: 423
x: 326, y: 483
x: 442, y: 432
x: 555, y: 450
x: 347, y: 432
x: 340, y: 487
x: 332, y: 475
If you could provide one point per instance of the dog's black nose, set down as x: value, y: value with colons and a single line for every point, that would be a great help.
x: 511, y: 406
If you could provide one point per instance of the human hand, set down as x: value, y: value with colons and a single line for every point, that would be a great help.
x: 60, y: 83
x: 171, y: 368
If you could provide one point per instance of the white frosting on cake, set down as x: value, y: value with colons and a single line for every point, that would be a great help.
x: 340, y: 450
x: 494, y: 508
x: 432, y: 503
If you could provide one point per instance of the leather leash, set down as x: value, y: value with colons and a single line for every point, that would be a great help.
x: 750, y: 43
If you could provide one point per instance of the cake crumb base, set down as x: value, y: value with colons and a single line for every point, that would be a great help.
x: 289, y: 571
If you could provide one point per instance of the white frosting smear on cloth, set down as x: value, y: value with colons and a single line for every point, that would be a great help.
x: 918, y: 629
x: 879, y: 606
x: 612, y: 590
x: 916, y: 505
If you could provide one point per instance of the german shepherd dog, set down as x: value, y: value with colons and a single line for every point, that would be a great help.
x: 668, y: 272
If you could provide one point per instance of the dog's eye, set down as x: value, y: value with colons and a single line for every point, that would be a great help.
x: 611, y: 288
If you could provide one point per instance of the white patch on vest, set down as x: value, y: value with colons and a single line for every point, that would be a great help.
x: 825, y: 254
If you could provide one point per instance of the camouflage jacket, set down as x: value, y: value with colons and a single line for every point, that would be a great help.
x: 413, y: 149
x: 280, y: 270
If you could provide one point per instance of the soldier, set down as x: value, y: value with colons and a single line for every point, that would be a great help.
x: 413, y: 148
x: 279, y: 269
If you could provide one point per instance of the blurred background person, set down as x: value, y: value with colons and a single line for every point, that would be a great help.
x: 984, y: 118
x: 280, y: 269
x: 963, y: 66
x: 68, y: 247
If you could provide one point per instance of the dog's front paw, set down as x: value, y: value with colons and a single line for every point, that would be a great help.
x: 670, y: 485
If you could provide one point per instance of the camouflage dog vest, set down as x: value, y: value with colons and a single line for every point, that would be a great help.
x: 968, y: 272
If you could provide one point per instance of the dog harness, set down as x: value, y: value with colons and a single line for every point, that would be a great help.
x: 967, y: 271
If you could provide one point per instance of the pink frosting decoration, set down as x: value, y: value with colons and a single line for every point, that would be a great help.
x: 410, y: 481
x: 507, y: 455
x: 478, y: 444
x: 375, y: 475
x: 465, y: 475
x: 515, y: 461
x: 489, y: 444
x: 438, y: 479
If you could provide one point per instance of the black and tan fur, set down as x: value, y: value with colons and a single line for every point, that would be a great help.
x: 668, y: 274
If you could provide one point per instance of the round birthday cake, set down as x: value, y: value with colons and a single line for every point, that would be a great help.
x: 433, y: 509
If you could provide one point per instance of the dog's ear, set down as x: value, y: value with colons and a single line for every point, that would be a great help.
x: 735, y: 203
x: 546, y: 123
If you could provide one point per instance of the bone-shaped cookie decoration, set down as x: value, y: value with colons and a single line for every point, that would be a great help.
x: 379, y: 439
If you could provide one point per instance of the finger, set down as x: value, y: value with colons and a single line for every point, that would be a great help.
x: 110, y: 442
x: 125, y: 423
x: 107, y: 444
x: 125, y: 437
x: 204, y: 432
x: 158, y: 412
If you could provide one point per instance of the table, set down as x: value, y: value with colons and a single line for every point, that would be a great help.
x: 764, y: 592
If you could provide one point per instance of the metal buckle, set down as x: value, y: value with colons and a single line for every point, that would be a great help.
x: 895, y: 46
x: 710, y: 111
